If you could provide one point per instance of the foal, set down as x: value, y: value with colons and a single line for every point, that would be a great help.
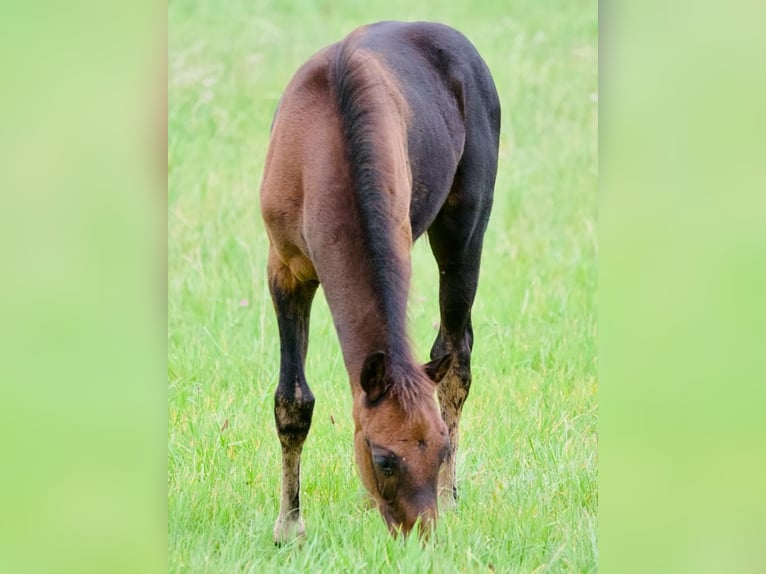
x: 378, y: 138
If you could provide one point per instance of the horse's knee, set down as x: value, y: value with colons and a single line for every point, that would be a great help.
x: 459, y: 344
x: 293, y: 410
x: 461, y: 360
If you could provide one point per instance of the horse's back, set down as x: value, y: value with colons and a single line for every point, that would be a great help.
x: 452, y: 100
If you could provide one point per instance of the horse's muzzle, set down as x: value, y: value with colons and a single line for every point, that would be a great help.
x: 424, y: 516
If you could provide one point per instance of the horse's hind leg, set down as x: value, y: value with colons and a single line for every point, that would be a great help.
x: 456, y: 238
x: 293, y: 400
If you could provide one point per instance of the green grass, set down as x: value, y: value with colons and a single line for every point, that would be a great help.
x: 527, y: 464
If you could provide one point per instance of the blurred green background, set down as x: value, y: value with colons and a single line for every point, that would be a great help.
x: 681, y: 283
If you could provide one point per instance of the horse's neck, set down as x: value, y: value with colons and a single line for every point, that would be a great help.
x: 359, y: 317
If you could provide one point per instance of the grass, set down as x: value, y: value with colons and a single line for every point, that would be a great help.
x: 527, y: 464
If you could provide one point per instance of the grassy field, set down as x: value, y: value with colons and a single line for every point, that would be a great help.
x: 527, y: 466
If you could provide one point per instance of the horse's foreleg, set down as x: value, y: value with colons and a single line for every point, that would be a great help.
x: 456, y: 293
x: 456, y: 238
x: 293, y: 400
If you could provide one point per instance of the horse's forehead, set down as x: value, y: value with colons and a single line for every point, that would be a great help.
x: 393, y: 424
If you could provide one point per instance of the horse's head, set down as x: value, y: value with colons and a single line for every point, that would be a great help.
x: 400, y: 440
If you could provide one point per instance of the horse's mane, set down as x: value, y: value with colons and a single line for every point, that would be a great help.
x: 361, y: 94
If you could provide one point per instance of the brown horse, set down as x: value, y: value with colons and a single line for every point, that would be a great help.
x: 389, y: 133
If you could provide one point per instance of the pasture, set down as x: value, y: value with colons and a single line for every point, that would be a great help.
x: 527, y: 464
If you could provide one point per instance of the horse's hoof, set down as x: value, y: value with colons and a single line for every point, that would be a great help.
x: 287, y: 531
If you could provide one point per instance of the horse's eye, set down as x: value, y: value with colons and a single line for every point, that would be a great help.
x: 385, y: 464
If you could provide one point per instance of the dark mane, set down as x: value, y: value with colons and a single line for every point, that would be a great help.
x: 360, y: 93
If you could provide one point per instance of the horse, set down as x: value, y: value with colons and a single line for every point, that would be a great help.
x: 390, y: 133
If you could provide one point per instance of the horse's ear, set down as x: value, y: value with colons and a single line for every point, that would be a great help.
x: 373, y: 377
x: 437, y: 368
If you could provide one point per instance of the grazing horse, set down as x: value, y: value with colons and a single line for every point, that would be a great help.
x: 378, y: 138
